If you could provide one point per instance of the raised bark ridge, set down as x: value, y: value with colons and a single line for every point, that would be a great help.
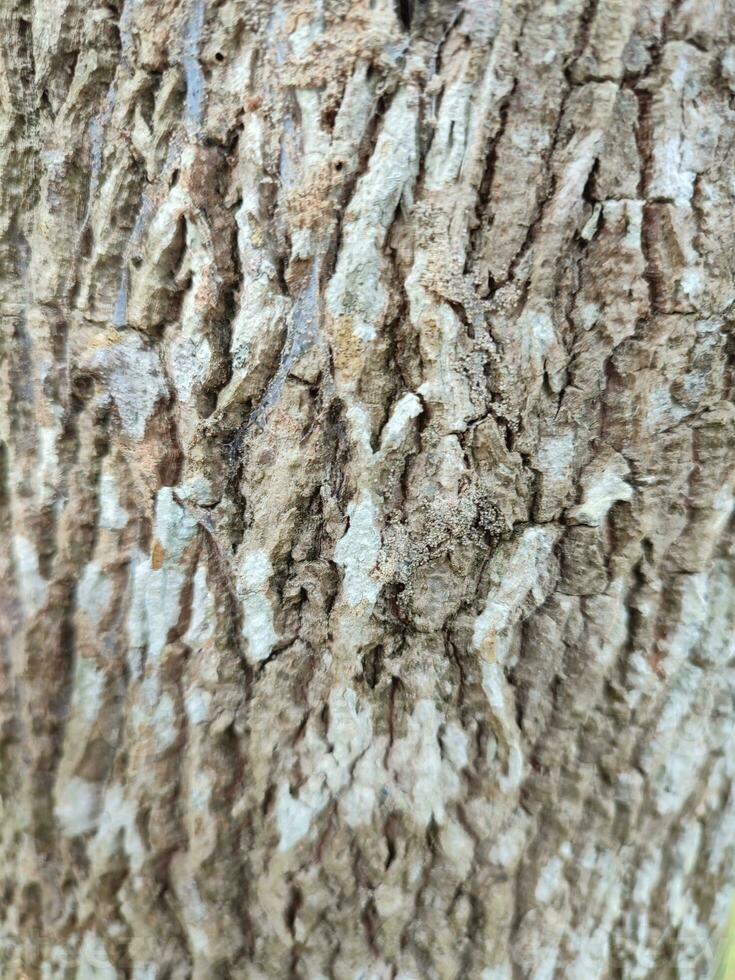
x: 367, y: 474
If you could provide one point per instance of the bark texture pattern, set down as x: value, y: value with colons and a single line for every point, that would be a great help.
x: 367, y: 479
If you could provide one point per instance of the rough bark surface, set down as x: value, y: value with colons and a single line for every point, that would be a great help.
x: 366, y: 476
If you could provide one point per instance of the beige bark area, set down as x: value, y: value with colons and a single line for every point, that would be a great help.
x: 366, y: 479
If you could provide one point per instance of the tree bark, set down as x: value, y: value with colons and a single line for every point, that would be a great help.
x: 367, y: 482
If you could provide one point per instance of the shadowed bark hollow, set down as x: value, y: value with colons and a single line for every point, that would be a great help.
x: 366, y: 486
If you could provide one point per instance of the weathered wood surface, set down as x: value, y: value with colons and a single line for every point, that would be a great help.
x: 367, y: 478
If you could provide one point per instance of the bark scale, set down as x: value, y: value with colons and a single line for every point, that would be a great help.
x: 367, y: 479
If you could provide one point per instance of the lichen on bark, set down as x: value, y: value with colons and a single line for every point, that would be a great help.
x: 366, y: 473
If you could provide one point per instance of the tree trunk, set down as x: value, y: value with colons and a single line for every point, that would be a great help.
x: 367, y: 478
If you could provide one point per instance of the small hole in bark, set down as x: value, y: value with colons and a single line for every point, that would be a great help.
x: 219, y: 56
x: 372, y: 666
x: 82, y: 386
x: 392, y: 833
x: 45, y: 100
x: 268, y: 800
x: 293, y: 910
